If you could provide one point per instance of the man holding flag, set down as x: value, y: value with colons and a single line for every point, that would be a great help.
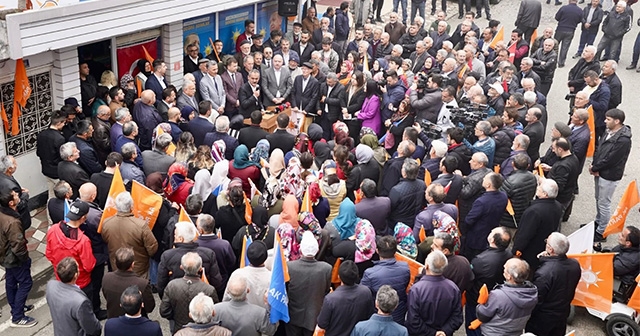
x: 608, y: 166
x: 626, y: 263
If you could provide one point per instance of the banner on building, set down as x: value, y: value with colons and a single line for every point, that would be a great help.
x: 231, y: 25
x: 268, y: 18
x: 201, y: 31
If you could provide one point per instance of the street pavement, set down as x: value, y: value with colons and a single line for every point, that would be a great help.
x: 583, y: 208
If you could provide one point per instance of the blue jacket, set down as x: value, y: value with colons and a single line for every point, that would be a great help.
x: 599, y: 100
x: 488, y: 147
x: 121, y: 142
x: 342, y: 25
x: 394, y: 95
x: 485, y: 215
x: 393, y: 273
x: 568, y: 17
x: 153, y: 84
x: 88, y: 157
x: 175, y: 131
x: 140, y: 326
x: 379, y: 325
x: 433, y: 304
x: 199, y: 127
x: 147, y: 118
x: 115, y: 134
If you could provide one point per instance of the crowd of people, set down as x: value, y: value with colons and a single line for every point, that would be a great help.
x: 407, y: 141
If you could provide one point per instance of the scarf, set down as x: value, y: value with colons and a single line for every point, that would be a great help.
x: 176, y: 176
x: 365, y: 241
x: 346, y: 220
x: 290, y: 245
x: 202, y: 185
x: 406, y: 241
x: 291, y: 182
x: 217, y: 150
x: 370, y: 140
x: 289, y: 214
x: 141, y: 65
x: 241, y: 158
x: 276, y: 163
x: 124, y: 80
x: 364, y: 154
x: 166, y: 128
x: 219, y: 179
x: 308, y: 222
x: 443, y: 222
x: 259, y: 219
x: 261, y: 152
x: 401, y: 113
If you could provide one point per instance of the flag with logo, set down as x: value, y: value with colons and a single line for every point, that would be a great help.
x: 277, y: 295
x: 629, y: 199
x: 634, y: 301
x: 512, y: 51
x: 146, y: 203
x: 499, y: 37
x: 21, y: 92
x: 117, y: 187
x: 244, y: 260
x: 414, y: 267
x: 595, y: 288
x: 591, y: 123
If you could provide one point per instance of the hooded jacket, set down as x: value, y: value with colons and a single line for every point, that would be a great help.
x: 612, y: 154
x: 508, y: 309
x: 60, y: 247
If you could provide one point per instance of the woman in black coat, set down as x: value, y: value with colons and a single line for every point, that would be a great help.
x: 354, y: 98
x: 230, y: 218
x: 367, y: 167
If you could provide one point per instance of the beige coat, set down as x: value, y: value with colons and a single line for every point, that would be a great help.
x: 124, y: 230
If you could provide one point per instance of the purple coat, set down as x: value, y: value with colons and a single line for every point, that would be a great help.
x: 370, y: 113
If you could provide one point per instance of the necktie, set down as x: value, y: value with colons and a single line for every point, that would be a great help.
x: 505, y: 86
x: 215, y: 84
x: 233, y: 78
x: 268, y: 63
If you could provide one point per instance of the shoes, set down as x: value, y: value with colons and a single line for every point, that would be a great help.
x: 433, y: 12
x: 28, y: 308
x: 488, y: 17
x: 558, y: 3
x: 576, y: 56
x: 379, y: 19
x: 101, y: 314
x: 460, y: 17
x: 631, y: 67
x: 598, y: 238
x: 25, y: 322
x: 638, y: 70
x: 478, y: 15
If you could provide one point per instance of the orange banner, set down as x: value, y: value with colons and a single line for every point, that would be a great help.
x: 427, y: 177
x: 595, y: 288
x: 183, y: 216
x: 22, y: 92
x: 117, y: 187
x: 629, y: 199
x: 634, y: 301
x: 171, y: 150
x: 592, y: 132
x: 414, y: 267
x: 499, y: 37
x: 5, y: 119
x: 534, y: 36
x: 422, y: 234
x: 146, y: 203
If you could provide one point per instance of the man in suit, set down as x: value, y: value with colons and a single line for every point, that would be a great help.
x: 129, y: 134
x: 64, y: 297
x: 247, y: 35
x: 232, y: 82
x: 188, y: 96
x: 580, y: 135
x: 147, y: 118
x: 190, y: 61
x: 133, y: 323
x: 157, y: 159
x: 535, y: 132
x: 167, y: 102
x: 418, y: 57
x: 276, y: 83
x: 318, y: 34
x: 115, y: 283
x: 304, y: 95
x: 249, y: 94
x: 304, y: 48
x: 249, y: 136
x: 330, y: 103
x: 69, y: 170
x: 281, y: 138
x: 156, y: 81
x: 200, y: 125
x: 123, y: 116
x: 222, y: 133
x: 212, y: 89
x: 89, y: 157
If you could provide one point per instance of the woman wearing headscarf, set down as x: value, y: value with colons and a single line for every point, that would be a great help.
x: 271, y: 197
x: 257, y: 230
x: 308, y: 222
x: 290, y: 244
x: 201, y: 159
x: 217, y: 151
x: 230, y: 218
x: 367, y: 167
x: 323, y: 153
x: 400, y: 120
x: 177, y: 186
x: 406, y: 241
x: 320, y: 205
x: 164, y: 238
x: 302, y: 145
x: 144, y: 71
x: 202, y: 186
x: 352, y: 238
x: 365, y: 242
x: 346, y: 69
x: 378, y: 69
x: 128, y: 86
x: 379, y: 154
x: 289, y: 214
x: 370, y: 112
x: 260, y: 152
x: 343, y: 226
x: 406, y: 67
x: 291, y: 182
x: 242, y: 167
x: 185, y: 148
x: 333, y: 189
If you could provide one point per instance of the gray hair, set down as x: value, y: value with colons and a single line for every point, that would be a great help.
x: 201, y: 308
x: 527, y: 60
x: 332, y: 75
x: 387, y: 299
x: 254, y: 71
x: 428, y: 38
x: 121, y: 113
x: 439, y: 147
x: 66, y: 150
x: 237, y: 288
x: 186, y: 230
x: 481, y: 158
x: 436, y: 261
x: 591, y: 49
x: 186, y: 84
x: 473, y: 42
x: 247, y: 58
x: 518, y: 270
x: 484, y: 126
x: 325, y: 19
x: 127, y: 150
x: 129, y: 127
x: 522, y: 140
x: 191, y: 262
x: 61, y: 189
x: 398, y: 48
x: 420, y: 43
x: 613, y: 64
x: 530, y: 97
x: 559, y: 243
x: 363, y: 43
x: 163, y: 141
x: 206, y: 223
x: 447, y: 44
x: 6, y: 162
x: 222, y: 123
x: 410, y: 168
x: 442, y: 53
x: 527, y: 80
x: 582, y: 114
x: 124, y: 202
x: 550, y: 187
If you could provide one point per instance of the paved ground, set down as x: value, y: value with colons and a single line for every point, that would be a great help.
x: 584, y: 208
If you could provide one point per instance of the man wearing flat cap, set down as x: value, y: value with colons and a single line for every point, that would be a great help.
x: 304, y: 94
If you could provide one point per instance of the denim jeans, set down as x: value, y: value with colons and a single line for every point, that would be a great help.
x: 564, y: 39
x: 18, y: 284
x: 153, y: 271
x: 604, y: 192
x: 469, y: 316
x: 417, y: 7
x: 636, y: 50
x: 586, y: 38
x: 404, y: 9
x: 611, y: 48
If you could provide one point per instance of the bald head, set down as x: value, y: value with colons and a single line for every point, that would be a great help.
x: 88, y: 192
x: 148, y: 97
x: 174, y: 114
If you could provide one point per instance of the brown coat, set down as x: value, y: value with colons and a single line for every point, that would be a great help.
x: 396, y: 32
x: 124, y: 230
x: 114, y: 284
x: 211, y: 329
x: 310, y: 24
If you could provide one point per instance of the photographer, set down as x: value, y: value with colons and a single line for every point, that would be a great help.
x: 426, y: 97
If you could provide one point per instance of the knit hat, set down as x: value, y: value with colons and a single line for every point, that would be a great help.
x: 563, y: 129
x: 257, y: 253
x: 309, y: 244
x: 294, y: 57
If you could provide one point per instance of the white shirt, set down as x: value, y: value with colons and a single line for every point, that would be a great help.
x: 305, y: 81
x: 326, y: 106
x: 277, y: 73
x: 194, y: 60
x: 233, y: 77
x: 161, y: 81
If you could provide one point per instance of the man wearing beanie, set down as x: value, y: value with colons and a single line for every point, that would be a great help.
x: 257, y: 275
x: 559, y: 130
x: 310, y: 282
x: 347, y: 305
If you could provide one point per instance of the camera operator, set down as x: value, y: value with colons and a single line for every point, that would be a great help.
x: 448, y: 102
x: 485, y: 143
x: 426, y: 98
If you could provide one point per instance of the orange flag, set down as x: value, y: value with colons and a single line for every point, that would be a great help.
x: 243, y: 254
x: 540, y: 171
x: 22, y: 92
x: 146, y: 203
x: 427, y: 177
x: 248, y: 211
x: 592, y: 132
x: 306, y: 202
x: 172, y: 148
x: 571, y: 333
x: 117, y: 187
x: 629, y: 199
x: 499, y: 37
x: 422, y: 235
x: 359, y: 195
x: 595, y: 288
x: 414, y: 267
x: 634, y: 301
x: 147, y: 56
x: 184, y: 216
x: 534, y: 36
x: 335, y: 278
x: 203, y: 277
x: 483, y: 295
x: 496, y: 169
x: 511, y: 212
x: 5, y: 119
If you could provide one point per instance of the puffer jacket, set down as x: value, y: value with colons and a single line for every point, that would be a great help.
x: 520, y: 187
x: 407, y: 200
x: 393, y: 273
x: 612, y: 154
x: 488, y: 268
x: 13, y: 244
x: 508, y: 309
x: 471, y: 190
x: 169, y: 267
x: 335, y: 194
x: 504, y: 139
x: 547, y: 70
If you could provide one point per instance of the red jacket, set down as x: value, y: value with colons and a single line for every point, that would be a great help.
x: 180, y: 195
x: 251, y: 172
x: 60, y: 247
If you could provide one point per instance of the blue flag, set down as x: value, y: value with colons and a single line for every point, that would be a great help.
x: 66, y: 210
x: 278, y: 299
x: 246, y: 259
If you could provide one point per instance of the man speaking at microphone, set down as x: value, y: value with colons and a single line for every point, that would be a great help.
x: 249, y: 94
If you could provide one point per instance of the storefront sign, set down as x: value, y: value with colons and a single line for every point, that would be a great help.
x: 232, y: 25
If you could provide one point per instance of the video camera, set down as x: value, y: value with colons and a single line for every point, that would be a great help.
x: 467, y: 116
x: 422, y: 80
x: 433, y: 131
